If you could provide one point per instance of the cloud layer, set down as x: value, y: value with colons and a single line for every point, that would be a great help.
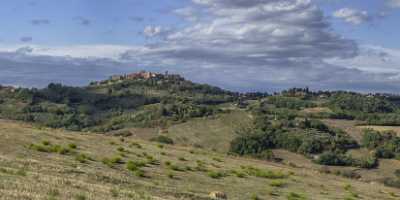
x: 242, y: 45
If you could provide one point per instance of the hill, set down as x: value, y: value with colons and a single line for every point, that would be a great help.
x: 151, y: 101
x: 57, y: 164
x: 160, y: 136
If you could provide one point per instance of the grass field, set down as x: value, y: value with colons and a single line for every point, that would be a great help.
x: 396, y: 129
x: 89, y: 170
x: 210, y: 133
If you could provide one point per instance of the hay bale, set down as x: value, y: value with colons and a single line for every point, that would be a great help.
x: 218, y: 195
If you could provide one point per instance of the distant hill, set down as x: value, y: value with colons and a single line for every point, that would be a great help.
x: 144, y: 98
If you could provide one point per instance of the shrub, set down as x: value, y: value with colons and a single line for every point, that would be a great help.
x: 151, y: 160
x: 61, y: 150
x: 114, y: 192
x: 53, y: 193
x: 392, y: 182
x: 39, y: 148
x: 139, y: 173
x: 176, y: 168
x: 72, y: 146
x: 135, y: 165
x: 367, y: 163
x: 82, y: 158
x: 348, y: 174
x: 80, y: 197
x: 182, y: 159
x: 255, y: 197
x: 277, y: 183
x: 162, y: 139
x: 334, y: 159
x: 266, y: 155
x: 21, y: 172
x: 217, y: 159
x: 112, y: 161
x: 397, y: 173
x: 49, y: 148
x: 252, y: 171
x: 238, y: 174
x: 216, y: 175
x: 201, y: 166
x: 295, y: 196
x: 382, y: 152
x: 371, y: 139
x: 137, y: 145
x: 171, y: 175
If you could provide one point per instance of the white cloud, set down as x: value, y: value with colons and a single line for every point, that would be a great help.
x: 151, y: 31
x: 372, y: 59
x: 188, y: 13
x: 237, y: 44
x: 74, y: 51
x: 353, y: 16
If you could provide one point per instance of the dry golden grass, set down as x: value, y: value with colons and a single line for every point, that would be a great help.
x: 317, y: 110
x: 29, y: 174
x: 396, y: 129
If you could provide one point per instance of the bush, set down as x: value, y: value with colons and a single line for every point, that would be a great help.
x: 135, y: 165
x: 112, y: 161
x: 171, y: 175
x: 334, y: 159
x: 397, y: 173
x: 278, y: 183
x: 82, y: 158
x: 139, y: 173
x: 176, y: 168
x: 295, y: 196
x: 80, y: 197
x: 72, y: 146
x: 49, y: 148
x: 182, y: 159
x: 386, y: 144
x: 216, y: 175
x: 252, y: 171
x: 162, y: 139
x: 382, y: 152
x: 392, y: 182
x: 367, y: 163
x: 348, y: 174
x: 266, y: 155
x: 371, y: 139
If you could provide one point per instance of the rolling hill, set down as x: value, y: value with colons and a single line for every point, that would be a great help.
x: 159, y: 136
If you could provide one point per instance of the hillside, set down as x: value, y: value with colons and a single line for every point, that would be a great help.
x: 146, y: 101
x: 167, y: 172
x: 159, y: 136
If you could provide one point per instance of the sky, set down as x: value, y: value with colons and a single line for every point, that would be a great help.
x: 241, y: 45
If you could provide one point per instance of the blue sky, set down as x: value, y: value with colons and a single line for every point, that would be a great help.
x: 244, y: 45
x: 109, y: 22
